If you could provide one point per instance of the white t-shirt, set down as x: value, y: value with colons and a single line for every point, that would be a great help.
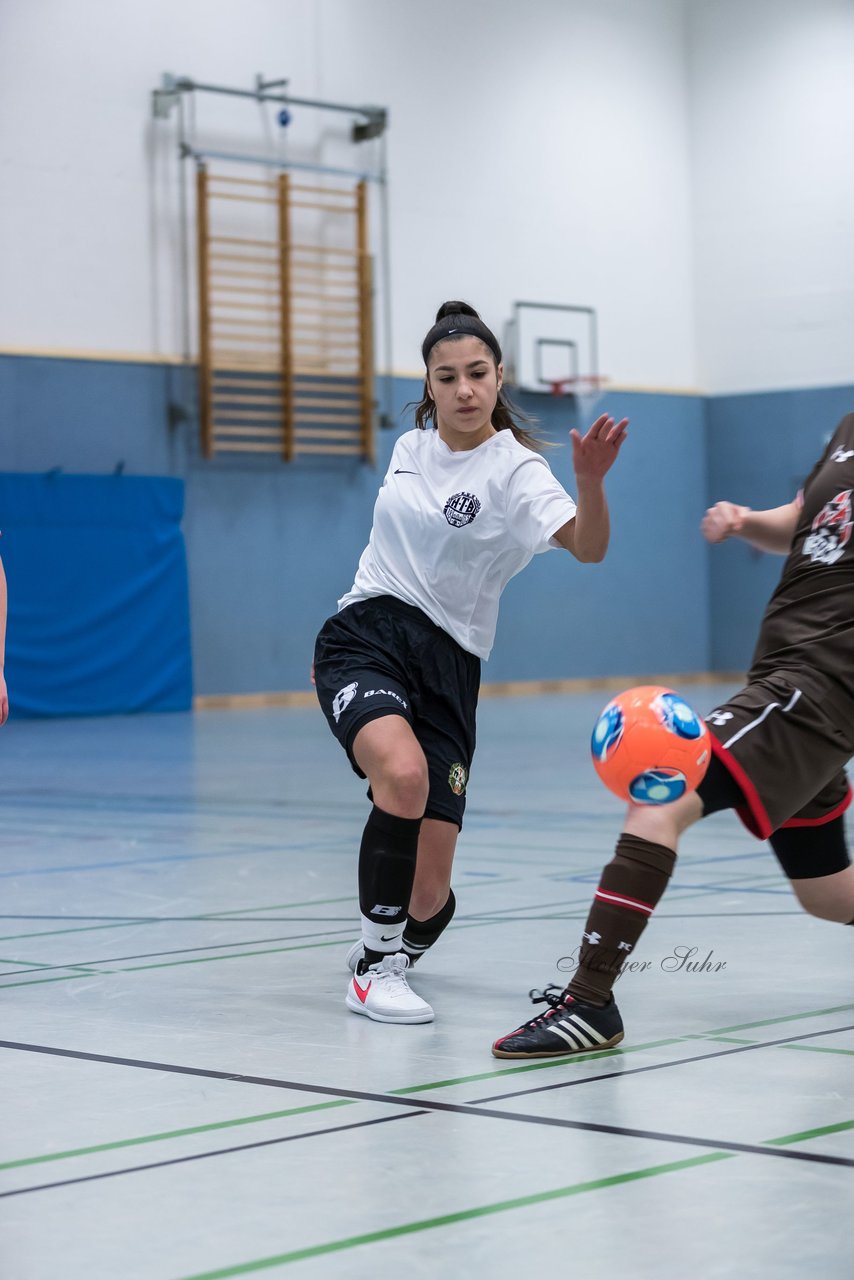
x: 452, y: 528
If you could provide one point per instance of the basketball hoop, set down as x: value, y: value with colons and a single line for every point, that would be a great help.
x: 582, y: 388
x: 585, y: 392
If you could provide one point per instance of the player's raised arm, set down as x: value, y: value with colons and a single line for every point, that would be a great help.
x: 770, y: 530
x: 588, y: 533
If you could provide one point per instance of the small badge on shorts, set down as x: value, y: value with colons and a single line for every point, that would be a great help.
x: 461, y: 509
x: 343, y: 698
x: 457, y: 778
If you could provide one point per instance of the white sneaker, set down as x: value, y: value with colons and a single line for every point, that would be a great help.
x: 381, y: 992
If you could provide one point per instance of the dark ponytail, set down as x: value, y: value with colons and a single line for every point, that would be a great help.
x: 456, y: 320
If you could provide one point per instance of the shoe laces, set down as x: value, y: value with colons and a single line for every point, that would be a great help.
x: 552, y: 995
x: 392, y: 968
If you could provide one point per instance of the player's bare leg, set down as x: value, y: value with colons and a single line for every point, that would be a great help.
x: 436, y: 847
x: 388, y: 753
x: 828, y: 897
x: 664, y: 823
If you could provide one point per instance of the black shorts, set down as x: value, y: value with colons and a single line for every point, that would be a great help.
x: 383, y: 657
x: 787, y: 753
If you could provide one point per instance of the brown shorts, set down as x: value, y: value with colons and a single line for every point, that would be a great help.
x: 786, y: 752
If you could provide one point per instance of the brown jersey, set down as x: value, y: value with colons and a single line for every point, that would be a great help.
x: 808, y: 628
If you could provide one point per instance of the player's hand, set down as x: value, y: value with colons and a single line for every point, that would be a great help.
x: 4, y: 700
x: 723, y: 520
x: 311, y: 674
x: 595, y: 453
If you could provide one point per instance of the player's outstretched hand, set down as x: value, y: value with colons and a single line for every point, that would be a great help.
x: 4, y: 700
x: 595, y: 453
x: 723, y: 520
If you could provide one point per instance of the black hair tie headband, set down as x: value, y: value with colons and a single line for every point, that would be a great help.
x: 469, y: 326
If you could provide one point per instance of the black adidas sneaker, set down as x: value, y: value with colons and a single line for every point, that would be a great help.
x: 567, y: 1026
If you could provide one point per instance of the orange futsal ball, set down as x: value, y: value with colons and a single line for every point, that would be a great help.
x: 649, y: 746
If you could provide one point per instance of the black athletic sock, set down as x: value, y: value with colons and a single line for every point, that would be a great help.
x: 387, y: 859
x: 419, y: 935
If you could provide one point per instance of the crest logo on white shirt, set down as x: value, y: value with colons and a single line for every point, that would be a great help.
x: 461, y: 509
x: 831, y: 530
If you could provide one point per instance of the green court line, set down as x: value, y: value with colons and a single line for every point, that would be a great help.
x: 171, y: 964
x: 808, y: 1134
x: 68, y: 977
x: 37, y: 964
x: 773, y: 1022
x: 121, y: 1143
x: 624, y: 1050
x: 544, y: 1065
x: 82, y: 928
x: 502, y: 1206
x: 213, y: 916
x: 276, y: 906
x: 448, y: 1219
x: 817, y: 1048
x: 727, y: 1040
x: 223, y: 946
x: 225, y: 1124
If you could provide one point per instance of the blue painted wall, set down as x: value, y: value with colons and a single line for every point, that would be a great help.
x: 644, y: 608
x: 270, y: 547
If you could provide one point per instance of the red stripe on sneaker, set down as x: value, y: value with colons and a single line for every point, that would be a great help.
x: 617, y: 900
x: 362, y: 994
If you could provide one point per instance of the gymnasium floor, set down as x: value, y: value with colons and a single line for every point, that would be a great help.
x: 185, y: 1095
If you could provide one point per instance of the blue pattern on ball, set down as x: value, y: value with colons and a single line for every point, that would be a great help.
x: 607, y: 733
x: 678, y: 717
x: 658, y: 786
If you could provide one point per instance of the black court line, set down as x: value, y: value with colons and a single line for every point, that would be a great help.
x: 658, y: 1066
x: 465, y: 1109
x: 208, y: 1155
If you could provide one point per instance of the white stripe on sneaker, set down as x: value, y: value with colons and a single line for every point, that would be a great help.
x: 584, y: 1042
x: 577, y: 1033
x: 570, y: 1040
x: 597, y: 1038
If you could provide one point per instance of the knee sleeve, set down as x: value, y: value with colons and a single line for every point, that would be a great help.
x: 805, y: 853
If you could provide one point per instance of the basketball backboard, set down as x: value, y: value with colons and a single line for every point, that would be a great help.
x: 549, y: 343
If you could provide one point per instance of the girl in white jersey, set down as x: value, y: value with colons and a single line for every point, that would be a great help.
x: 466, y: 503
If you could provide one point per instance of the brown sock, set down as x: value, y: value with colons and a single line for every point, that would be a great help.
x: 631, y: 886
